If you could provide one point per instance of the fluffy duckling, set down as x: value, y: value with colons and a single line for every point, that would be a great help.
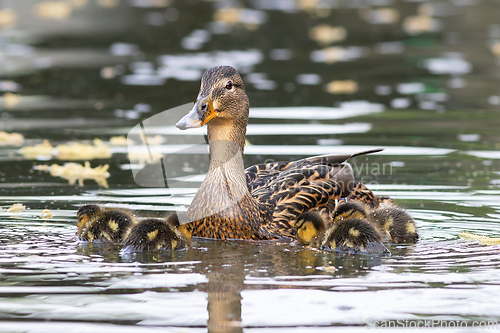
x: 159, y: 234
x: 100, y: 224
x: 309, y: 226
x: 351, y: 235
x: 346, y: 210
x: 395, y: 224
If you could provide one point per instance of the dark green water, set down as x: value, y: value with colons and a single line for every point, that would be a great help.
x: 421, y: 79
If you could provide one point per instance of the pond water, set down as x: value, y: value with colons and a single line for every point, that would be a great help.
x: 420, y: 79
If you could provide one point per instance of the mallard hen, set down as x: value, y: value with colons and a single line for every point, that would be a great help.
x: 264, y: 201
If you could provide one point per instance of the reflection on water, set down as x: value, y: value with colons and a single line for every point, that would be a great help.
x: 418, y: 78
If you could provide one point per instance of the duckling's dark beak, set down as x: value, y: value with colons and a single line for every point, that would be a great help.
x: 202, y: 112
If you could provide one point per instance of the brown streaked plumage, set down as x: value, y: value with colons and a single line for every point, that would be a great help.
x: 362, y: 194
x: 264, y: 201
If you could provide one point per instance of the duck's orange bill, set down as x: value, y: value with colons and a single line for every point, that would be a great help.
x: 209, y: 115
x: 202, y: 112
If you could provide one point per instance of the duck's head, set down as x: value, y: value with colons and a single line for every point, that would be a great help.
x: 309, y: 225
x: 349, y: 210
x: 222, y: 98
x: 85, y: 214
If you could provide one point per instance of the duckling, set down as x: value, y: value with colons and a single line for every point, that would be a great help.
x: 309, y: 226
x: 395, y: 224
x: 98, y: 224
x: 349, y: 210
x: 351, y: 235
x: 154, y: 234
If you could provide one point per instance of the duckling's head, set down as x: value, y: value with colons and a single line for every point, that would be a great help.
x: 349, y: 210
x: 222, y: 97
x: 85, y: 214
x: 186, y: 229
x: 309, y: 225
x: 154, y: 234
x: 397, y: 223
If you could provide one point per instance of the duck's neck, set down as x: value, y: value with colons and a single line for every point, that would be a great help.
x: 225, y: 184
x: 224, y: 137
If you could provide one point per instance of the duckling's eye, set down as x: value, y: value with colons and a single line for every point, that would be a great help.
x: 229, y: 85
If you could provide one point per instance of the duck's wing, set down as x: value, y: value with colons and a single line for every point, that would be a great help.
x: 261, y: 175
x: 363, y: 194
x: 299, y: 190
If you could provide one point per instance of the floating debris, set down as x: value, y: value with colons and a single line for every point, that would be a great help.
x: 415, y: 25
x: 325, y: 34
x: 382, y: 16
x: 335, y: 54
x: 10, y: 99
x: 153, y: 140
x: 11, y: 139
x: 16, y: 208
x: 342, y: 87
x: 108, y: 3
x: 119, y: 141
x: 42, y: 150
x: 46, y: 214
x: 70, y: 151
x: 328, y: 269
x: 54, y: 10
x: 8, y: 18
x: 74, y: 171
x: 82, y: 151
x: 143, y: 157
x: 495, y: 48
x: 250, y: 19
x: 484, y: 240
x: 79, y: 3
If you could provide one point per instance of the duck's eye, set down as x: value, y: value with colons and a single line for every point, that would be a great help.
x: 229, y: 85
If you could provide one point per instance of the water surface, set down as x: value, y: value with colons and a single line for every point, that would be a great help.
x: 419, y: 79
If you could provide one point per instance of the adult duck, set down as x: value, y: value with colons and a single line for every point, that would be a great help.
x: 264, y: 201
